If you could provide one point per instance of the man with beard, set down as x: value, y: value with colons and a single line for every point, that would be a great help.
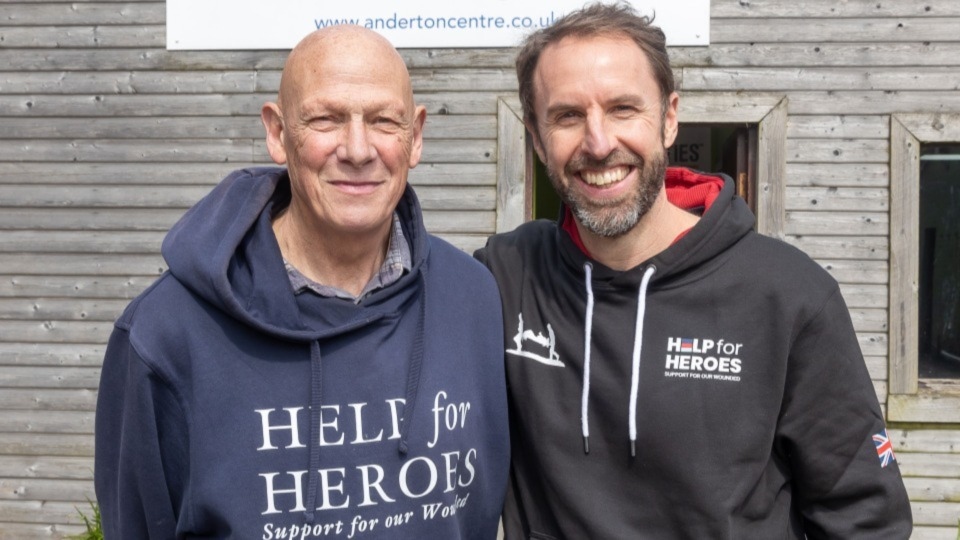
x: 671, y: 373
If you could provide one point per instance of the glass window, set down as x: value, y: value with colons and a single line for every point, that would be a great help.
x: 939, y: 262
x: 924, y: 384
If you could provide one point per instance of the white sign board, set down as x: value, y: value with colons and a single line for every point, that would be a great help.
x: 280, y: 24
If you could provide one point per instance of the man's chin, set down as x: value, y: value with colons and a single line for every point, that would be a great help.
x: 607, y: 226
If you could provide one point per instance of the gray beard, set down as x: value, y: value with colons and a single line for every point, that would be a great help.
x: 614, y: 220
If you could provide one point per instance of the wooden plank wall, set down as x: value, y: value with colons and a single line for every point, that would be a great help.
x: 106, y: 138
x: 845, y: 67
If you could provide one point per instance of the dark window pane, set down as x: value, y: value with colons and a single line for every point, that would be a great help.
x: 939, y: 241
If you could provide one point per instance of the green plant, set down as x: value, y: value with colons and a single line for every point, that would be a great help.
x: 94, y: 531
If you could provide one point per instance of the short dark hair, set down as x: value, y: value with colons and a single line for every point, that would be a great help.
x: 619, y: 19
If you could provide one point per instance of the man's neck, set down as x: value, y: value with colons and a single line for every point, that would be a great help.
x: 655, y: 232
x: 345, y: 261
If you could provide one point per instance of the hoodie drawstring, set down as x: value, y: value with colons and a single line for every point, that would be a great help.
x: 587, y: 334
x: 413, y: 374
x: 637, y: 345
x: 635, y: 365
x: 316, y: 400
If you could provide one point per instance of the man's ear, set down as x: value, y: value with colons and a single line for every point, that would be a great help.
x: 670, y: 120
x: 535, y: 138
x: 416, y: 145
x: 273, y: 123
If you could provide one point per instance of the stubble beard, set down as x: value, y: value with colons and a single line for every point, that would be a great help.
x: 614, y: 218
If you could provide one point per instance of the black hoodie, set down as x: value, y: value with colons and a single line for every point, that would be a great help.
x: 715, y: 391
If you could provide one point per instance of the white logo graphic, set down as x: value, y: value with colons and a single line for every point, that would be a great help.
x: 546, y: 343
x: 704, y: 359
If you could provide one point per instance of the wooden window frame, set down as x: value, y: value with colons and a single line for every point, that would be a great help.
x: 911, y: 399
x: 767, y: 111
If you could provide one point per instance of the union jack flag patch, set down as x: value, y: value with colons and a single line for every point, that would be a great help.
x: 884, y: 448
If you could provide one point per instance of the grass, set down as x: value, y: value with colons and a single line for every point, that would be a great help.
x: 94, y: 530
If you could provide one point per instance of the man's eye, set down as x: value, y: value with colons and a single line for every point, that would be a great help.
x: 322, y: 121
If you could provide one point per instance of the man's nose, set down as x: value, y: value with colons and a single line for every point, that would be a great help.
x: 598, y: 142
x: 355, y: 147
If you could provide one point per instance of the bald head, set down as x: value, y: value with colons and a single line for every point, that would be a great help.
x: 333, y: 75
x: 341, y: 47
x: 346, y: 127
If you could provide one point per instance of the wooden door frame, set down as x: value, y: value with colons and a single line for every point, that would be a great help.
x: 911, y: 399
x: 768, y: 111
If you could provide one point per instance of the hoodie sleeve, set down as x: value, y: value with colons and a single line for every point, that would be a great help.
x: 141, y: 443
x: 845, y: 487
x: 481, y: 255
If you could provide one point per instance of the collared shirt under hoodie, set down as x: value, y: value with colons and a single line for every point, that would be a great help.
x: 230, y: 407
x: 716, y: 390
x: 395, y: 264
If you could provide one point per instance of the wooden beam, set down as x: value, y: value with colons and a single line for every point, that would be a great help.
x: 514, y: 176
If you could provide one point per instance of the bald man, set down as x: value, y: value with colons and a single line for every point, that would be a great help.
x: 311, y: 364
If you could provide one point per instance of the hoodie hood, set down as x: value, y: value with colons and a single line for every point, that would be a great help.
x: 724, y: 219
x: 231, y: 407
x: 224, y: 250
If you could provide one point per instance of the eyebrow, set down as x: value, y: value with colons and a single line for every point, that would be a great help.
x: 634, y: 99
x: 560, y: 107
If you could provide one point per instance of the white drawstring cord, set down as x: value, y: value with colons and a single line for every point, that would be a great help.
x: 637, y: 346
x: 587, y: 330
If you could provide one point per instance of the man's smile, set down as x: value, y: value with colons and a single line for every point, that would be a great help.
x: 605, y: 177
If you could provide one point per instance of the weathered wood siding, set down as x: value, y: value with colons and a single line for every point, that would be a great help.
x: 844, y: 68
x: 106, y: 138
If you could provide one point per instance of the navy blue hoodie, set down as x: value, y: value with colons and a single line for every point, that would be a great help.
x: 230, y: 407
